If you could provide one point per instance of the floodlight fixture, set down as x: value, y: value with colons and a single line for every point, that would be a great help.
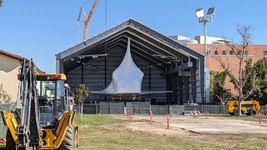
x: 159, y: 55
x: 155, y: 55
x: 204, y: 19
x: 177, y: 59
x: 93, y: 55
x: 200, y: 13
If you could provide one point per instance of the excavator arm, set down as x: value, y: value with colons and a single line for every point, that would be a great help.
x: 11, y: 122
x: 58, y: 134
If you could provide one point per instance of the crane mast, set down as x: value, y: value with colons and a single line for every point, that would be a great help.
x: 87, y: 19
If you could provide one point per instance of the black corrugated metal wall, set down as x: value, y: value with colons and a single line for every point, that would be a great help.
x: 92, y: 74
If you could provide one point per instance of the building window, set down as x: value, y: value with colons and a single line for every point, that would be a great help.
x: 231, y: 52
x: 216, y: 53
x: 265, y: 53
x: 209, y: 53
x: 246, y: 52
x: 238, y: 52
x: 223, y: 52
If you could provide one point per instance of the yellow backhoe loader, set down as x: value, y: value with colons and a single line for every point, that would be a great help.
x: 45, y: 119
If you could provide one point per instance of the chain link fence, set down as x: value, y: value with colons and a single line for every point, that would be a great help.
x: 138, y: 108
x: 211, y: 109
x: 159, y: 109
x: 112, y: 108
x: 264, y: 110
x: 176, y: 109
x: 88, y: 109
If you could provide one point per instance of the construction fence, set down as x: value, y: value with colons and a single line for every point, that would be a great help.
x: 143, y: 108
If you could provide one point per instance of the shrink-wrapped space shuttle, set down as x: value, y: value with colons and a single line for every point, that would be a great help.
x: 126, y: 81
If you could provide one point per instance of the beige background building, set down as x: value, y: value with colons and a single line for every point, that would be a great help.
x: 9, y: 68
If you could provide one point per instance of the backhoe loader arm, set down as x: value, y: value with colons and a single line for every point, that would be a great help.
x: 58, y: 134
x: 28, y: 131
x: 11, y: 122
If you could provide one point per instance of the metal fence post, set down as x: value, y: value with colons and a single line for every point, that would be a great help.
x: 109, y: 107
x: 100, y: 108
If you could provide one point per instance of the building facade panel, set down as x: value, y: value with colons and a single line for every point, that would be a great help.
x: 9, y: 68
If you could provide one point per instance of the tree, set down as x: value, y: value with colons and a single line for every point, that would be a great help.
x: 1, y: 1
x: 216, y: 92
x: 244, y: 73
x: 4, y: 97
x: 260, y: 94
x: 81, y: 94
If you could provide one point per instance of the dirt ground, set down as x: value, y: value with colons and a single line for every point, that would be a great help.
x: 183, y: 125
x: 185, y: 132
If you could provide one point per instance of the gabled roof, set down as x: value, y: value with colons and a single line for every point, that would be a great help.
x: 146, y: 43
x: 20, y: 58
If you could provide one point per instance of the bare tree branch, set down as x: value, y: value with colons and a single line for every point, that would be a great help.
x: 250, y: 92
x: 243, y: 73
x: 226, y: 68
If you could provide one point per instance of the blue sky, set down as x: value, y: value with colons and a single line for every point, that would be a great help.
x: 39, y: 29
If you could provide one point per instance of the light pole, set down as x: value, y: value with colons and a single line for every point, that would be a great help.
x: 204, y: 19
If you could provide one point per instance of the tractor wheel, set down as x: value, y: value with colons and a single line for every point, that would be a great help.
x: 236, y: 112
x: 75, y: 141
x: 253, y: 112
x: 10, y: 143
x: 69, y: 139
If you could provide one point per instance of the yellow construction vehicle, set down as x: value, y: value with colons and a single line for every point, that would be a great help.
x: 45, y: 120
x: 247, y: 107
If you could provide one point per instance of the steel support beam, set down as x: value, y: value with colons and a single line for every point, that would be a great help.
x: 179, y: 68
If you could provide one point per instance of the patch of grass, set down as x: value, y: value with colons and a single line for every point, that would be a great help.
x: 113, y: 134
x: 89, y: 119
x: 101, y: 138
x: 2, y: 146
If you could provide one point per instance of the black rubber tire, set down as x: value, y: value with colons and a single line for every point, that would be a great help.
x: 75, y: 135
x: 68, y: 141
x: 236, y: 112
x: 253, y: 112
x: 10, y: 143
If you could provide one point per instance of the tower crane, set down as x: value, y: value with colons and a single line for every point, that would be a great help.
x: 87, y: 19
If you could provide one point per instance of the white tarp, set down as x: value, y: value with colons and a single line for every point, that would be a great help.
x: 127, y: 78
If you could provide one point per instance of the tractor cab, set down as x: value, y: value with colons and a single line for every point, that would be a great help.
x: 50, y: 93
